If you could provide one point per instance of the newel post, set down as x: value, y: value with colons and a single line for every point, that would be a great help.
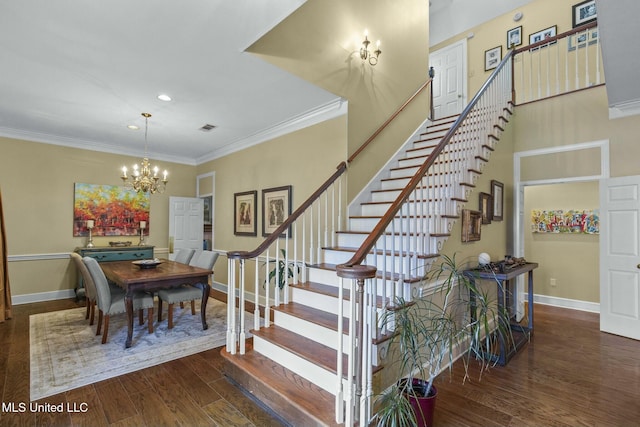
x: 359, y: 273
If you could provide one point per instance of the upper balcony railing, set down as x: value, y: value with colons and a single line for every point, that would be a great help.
x: 557, y: 65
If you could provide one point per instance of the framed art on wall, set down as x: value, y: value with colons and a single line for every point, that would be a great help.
x: 583, y: 13
x: 245, y: 216
x: 114, y: 210
x: 492, y: 58
x: 542, y: 35
x: 514, y: 37
x: 276, y: 208
x: 486, y: 205
x: 471, y: 224
x: 497, y: 190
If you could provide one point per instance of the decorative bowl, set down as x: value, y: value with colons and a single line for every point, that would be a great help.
x: 147, y: 263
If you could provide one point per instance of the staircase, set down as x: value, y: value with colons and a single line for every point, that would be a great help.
x: 291, y: 364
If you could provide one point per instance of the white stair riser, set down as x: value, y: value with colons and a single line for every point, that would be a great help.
x: 419, y: 209
x: 318, y: 301
x: 366, y: 224
x: 410, y: 266
x: 389, y: 241
x: 309, y: 371
x: 320, y: 334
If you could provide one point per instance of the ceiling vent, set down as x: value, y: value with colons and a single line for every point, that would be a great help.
x: 207, y: 128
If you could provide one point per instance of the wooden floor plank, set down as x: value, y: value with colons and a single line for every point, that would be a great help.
x: 569, y: 374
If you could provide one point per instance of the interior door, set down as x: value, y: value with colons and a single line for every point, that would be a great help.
x: 186, y: 226
x: 449, y: 83
x: 620, y: 256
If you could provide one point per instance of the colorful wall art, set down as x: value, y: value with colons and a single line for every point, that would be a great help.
x: 115, y: 211
x: 569, y: 221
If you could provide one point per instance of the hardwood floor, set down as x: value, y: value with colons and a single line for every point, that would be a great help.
x: 570, y: 374
x: 185, y: 392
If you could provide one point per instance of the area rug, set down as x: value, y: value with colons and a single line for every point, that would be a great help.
x: 66, y: 353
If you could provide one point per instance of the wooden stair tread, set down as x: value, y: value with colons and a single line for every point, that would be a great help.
x: 310, y: 314
x: 332, y: 291
x: 306, y: 348
x: 294, y: 398
x: 383, y: 252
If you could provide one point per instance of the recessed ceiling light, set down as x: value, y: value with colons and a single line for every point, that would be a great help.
x: 133, y: 127
x: 164, y: 97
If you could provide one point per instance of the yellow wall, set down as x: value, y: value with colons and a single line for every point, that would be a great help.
x: 571, y: 119
x: 38, y: 188
x: 495, y: 238
x: 303, y: 159
x: 319, y: 42
x: 537, y: 15
x: 571, y: 259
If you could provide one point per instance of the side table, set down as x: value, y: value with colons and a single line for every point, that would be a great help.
x: 521, y: 334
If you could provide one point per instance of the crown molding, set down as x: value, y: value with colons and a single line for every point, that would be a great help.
x: 88, y: 145
x: 330, y: 110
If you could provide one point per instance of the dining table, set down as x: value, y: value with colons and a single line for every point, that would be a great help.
x: 138, y: 276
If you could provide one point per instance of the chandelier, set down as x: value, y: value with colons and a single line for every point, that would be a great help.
x: 145, y: 179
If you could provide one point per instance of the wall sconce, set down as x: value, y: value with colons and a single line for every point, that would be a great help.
x: 364, y: 51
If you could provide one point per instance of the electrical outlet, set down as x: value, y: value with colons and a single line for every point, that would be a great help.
x: 552, y: 282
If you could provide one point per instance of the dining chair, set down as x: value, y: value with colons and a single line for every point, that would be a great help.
x: 89, y: 286
x: 184, y: 255
x: 184, y: 293
x: 110, y: 302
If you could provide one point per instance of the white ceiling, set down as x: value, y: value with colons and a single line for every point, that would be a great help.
x: 77, y: 73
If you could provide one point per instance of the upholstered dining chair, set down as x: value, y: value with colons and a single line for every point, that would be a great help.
x: 89, y: 286
x: 184, y: 255
x: 110, y: 303
x: 184, y: 293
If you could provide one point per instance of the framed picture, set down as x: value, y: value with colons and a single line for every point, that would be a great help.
x: 245, y: 216
x: 542, y: 35
x: 114, y: 210
x: 486, y: 205
x: 276, y: 208
x: 492, y: 58
x: 497, y: 190
x: 514, y: 37
x: 583, y: 13
x: 579, y: 40
x: 471, y: 223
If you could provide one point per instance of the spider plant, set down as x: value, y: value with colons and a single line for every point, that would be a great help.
x: 455, y: 317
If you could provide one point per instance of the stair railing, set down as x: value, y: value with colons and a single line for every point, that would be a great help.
x: 557, y: 65
x: 312, y: 226
x: 398, y: 248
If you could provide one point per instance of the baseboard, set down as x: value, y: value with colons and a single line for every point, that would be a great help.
x: 573, y: 304
x: 42, y: 296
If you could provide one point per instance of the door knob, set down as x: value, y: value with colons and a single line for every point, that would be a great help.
x: 638, y: 266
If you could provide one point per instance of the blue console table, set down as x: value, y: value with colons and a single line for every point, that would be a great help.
x: 111, y: 253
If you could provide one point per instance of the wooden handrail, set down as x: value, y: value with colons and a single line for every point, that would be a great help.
x: 556, y: 37
x: 290, y: 219
x: 342, y: 167
x: 389, y: 120
x: 384, y: 222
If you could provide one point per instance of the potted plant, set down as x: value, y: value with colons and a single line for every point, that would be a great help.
x: 453, y: 318
x: 283, y: 270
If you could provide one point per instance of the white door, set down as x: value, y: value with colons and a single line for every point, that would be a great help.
x: 449, y: 83
x: 186, y: 227
x: 620, y: 256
